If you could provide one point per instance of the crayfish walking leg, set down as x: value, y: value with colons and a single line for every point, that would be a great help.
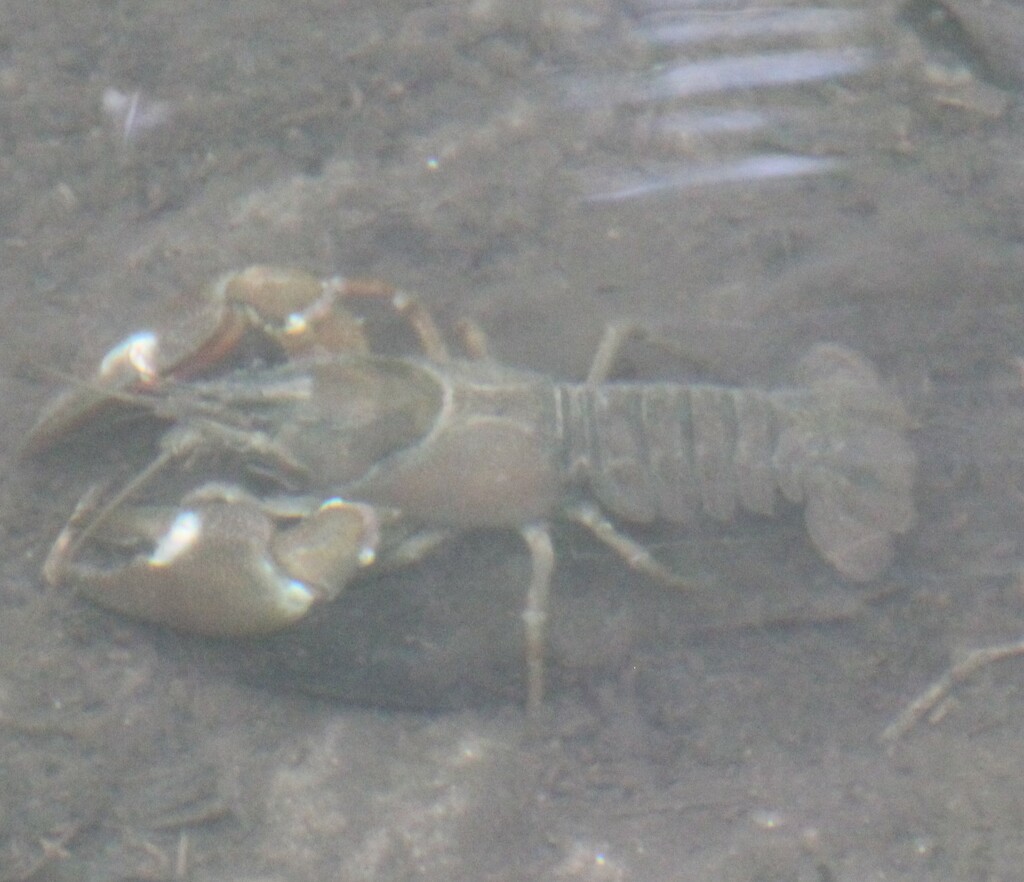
x: 535, y: 615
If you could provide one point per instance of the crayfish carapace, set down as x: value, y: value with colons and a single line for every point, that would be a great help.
x: 374, y: 455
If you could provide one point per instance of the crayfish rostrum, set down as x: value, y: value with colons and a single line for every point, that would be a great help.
x: 339, y: 457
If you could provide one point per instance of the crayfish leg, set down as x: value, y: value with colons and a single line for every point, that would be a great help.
x: 535, y: 615
x: 407, y: 306
x: 635, y: 556
x: 411, y: 308
x: 615, y: 336
x: 328, y: 547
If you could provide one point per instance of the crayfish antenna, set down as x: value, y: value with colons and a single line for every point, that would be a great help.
x: 79, y: 406
x: 185, y: 443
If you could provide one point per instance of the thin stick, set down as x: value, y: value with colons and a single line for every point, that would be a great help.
x: 959, y: 671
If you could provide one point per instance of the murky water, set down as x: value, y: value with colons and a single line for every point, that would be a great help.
x: 748, y: 182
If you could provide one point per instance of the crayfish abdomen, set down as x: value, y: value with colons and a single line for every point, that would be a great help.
x: 834, y: 442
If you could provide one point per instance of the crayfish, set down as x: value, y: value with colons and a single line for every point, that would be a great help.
x: 341, y: 458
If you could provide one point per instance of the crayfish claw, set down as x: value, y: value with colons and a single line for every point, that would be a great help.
x: 222, y: 567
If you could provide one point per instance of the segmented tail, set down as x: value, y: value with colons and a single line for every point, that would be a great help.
x: 834, y: 441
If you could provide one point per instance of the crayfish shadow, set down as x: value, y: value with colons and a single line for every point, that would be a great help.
x: 446, y: 634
